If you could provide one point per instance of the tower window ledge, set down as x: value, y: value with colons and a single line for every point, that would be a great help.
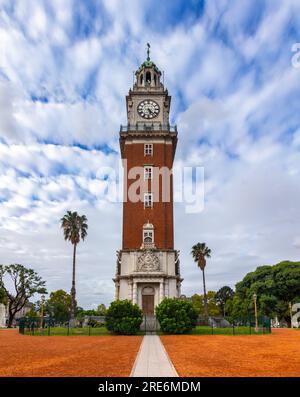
x: 147, y: 246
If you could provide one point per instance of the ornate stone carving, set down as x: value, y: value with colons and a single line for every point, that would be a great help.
x: 148, y: 262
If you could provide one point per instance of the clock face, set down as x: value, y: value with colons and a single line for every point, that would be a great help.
x: 148, y: 109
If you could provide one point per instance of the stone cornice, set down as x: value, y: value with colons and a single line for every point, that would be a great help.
x: 157, y: 250
x: 146, y: 276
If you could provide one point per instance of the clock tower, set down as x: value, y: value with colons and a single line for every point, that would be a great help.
x: 148, y: 265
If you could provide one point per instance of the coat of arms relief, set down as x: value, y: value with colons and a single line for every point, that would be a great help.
x: 148, y: 262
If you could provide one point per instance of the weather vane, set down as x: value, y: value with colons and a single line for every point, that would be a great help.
x: 148, y: 52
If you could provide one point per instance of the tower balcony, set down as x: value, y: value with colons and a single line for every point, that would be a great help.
x: 140, y: 127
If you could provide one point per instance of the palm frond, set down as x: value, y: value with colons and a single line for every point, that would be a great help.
x: 74, y: 227
x: 200, y: 252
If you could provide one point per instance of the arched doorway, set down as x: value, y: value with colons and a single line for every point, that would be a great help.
x: 148, y: 300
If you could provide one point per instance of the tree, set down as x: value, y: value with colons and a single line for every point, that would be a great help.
x: 3, y: 298
x: 101, y: 310
x: 90, y: 312
x: 286, y: 276
x: 222, y: 296
x: 275, y: 286
x: 198, y: 303
x: 25, y: 283
x: 261, y: 283
x: 34, y: 312
x: 59, y: 305
x: 200, y: 252
x: 75, y: 229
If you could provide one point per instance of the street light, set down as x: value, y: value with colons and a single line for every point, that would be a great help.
x: 42, y: 309
x: 291, y: 313
x: 255, y: 310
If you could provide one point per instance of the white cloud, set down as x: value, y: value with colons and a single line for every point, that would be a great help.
x: 8, y: 122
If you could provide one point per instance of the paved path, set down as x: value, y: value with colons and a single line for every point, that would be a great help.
x: 152, y: 359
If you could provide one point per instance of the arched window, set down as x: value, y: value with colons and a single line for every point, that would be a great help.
x: 148, y: 78
x: 141, y: 78
x: 148, y: 235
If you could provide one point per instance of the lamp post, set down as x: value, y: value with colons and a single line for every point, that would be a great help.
x: 291, y: 313
x: 255, y: 310
x: 42, y: 309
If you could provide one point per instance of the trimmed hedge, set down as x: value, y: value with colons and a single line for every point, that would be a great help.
x: 176, y: 316
x: 123, y: 317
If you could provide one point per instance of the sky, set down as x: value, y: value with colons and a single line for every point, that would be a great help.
x: 65, y: 69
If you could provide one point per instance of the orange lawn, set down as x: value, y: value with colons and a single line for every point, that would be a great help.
x: 24, y: 355
x: 277, y: 354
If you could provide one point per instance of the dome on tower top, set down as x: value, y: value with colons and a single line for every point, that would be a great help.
x: 148, y: 75
x: 149, y: 64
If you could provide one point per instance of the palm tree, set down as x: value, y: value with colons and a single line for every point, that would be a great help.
x: 75, y: 229
x: 200, y: 252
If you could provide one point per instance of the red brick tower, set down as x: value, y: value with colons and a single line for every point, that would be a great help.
x: 148, y: 265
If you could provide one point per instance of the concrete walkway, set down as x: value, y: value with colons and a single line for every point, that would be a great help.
x: 153, y: 360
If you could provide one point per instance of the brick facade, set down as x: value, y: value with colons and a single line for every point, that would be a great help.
x: 161, y: 214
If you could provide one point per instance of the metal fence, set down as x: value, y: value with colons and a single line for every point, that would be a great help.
x: 50, y: 326
x: 233, y: 326
x: 92, y: 326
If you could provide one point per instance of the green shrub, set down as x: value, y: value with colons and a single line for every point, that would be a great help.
x: 176, y: 316
x: 123, y: 317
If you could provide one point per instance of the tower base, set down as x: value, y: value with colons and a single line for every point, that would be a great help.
x: 147, y: 276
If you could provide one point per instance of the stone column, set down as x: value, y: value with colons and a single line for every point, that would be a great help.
x: 152, y: 79
x: 130, y: 290
x: 134, y: 292
x: 167, y: 289
x: 161, y: 291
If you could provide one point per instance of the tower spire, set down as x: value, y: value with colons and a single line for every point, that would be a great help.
x: 148, y: 52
